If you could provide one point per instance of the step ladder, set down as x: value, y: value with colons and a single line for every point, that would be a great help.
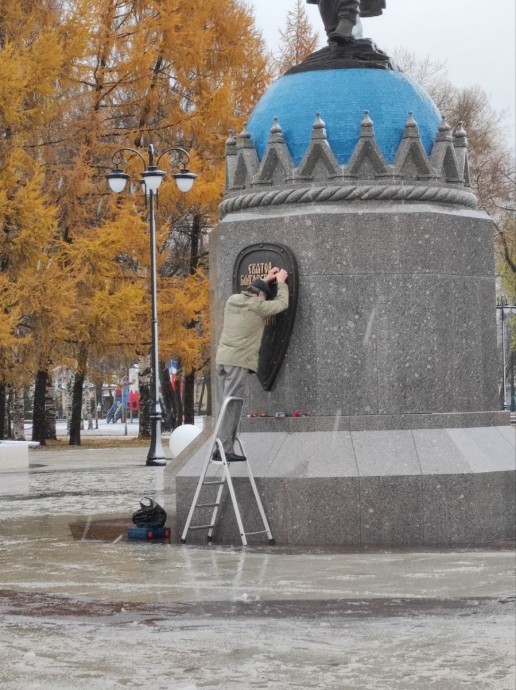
x: 231, y: 405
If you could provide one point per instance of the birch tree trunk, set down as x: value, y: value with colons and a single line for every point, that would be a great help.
x: 178, y: 402
x: 144, y: 383
x: 78, y: 384
x: 167, y: 398
x: 50, y: 410
x: 3, y: 410
x: 18, y: 414
x: 38, y: 413
x: 189, y: 395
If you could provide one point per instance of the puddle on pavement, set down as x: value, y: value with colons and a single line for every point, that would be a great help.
x: 43, y: 604
x: 114, y: 530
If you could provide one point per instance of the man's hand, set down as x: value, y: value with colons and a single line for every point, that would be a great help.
x: 278, y: 274
x: 271, y: 275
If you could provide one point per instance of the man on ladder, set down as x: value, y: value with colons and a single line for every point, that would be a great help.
x: 239, y: 345
x: 237, y: 356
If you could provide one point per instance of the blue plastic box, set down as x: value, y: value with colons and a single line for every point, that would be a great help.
x: 148, y: 533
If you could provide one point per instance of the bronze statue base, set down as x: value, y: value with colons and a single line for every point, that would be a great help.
x: 349, y: 54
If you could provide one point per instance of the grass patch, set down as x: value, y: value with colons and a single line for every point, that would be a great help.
x: 97, y: 442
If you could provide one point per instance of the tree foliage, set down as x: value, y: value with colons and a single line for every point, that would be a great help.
x: 297, y: 39
x: 78, y: 80
x: 31, y: 322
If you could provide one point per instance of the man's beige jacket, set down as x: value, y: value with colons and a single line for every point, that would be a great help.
x: 244, y: 321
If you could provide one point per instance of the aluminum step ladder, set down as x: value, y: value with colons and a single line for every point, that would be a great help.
x: 231, y: 405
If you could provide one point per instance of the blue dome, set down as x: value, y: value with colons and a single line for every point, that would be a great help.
x: 341, y: 96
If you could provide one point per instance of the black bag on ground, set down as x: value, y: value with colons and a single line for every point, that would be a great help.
x: 151, y: 514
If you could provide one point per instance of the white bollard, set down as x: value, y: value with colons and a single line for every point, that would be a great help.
x: 181, y: 437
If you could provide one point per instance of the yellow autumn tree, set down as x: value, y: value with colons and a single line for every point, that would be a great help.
x: 297, y: 39
x: 31, y: 59
x: 218, y: 69
x: 78, y: 80
x: 156, y: 72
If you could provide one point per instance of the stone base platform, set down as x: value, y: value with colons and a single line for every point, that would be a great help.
x: 387, y: 488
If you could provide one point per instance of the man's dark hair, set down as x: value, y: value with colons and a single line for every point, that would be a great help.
x: 258, y: 286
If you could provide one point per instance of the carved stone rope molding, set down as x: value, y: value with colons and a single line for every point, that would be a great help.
x: 307, y: 195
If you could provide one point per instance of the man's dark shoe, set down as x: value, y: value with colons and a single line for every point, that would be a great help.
x: 233, y: 457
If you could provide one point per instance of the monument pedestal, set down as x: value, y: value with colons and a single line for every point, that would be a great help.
x: 398, y: 488
x: 393, y: 354
x: 393, y: 358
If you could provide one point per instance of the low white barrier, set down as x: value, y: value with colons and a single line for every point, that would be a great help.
x: 14, y: 455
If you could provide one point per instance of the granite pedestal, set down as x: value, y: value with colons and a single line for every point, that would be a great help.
x: 403, y: 444
x: 398, y: 488
x: 392, y: 361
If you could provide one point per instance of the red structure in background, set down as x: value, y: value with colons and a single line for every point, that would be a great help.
x: 134, y: 401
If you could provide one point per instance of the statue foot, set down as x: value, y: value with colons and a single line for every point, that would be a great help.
x: 342, y: 32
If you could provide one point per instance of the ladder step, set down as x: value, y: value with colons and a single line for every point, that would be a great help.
x: 201, y: 526
x: 220, y: 479
x: 262, y: 531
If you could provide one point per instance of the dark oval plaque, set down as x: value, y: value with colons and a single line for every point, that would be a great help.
x: 255, y: 262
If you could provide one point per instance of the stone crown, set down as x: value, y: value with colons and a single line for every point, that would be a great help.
x: 377, y: 136
x: 440, y: 176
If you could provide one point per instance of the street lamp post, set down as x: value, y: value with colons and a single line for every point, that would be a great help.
x: 151, y: 178
x: 502, y: 304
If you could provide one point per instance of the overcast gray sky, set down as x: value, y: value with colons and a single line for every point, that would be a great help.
x: 475, y: 38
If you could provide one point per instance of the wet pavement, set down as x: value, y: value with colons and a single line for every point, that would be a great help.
x: 83, y: 608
